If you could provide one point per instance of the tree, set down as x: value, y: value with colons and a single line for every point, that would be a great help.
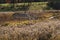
x: 55, y: 4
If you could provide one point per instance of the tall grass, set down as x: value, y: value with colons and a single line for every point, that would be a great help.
x: 47, y: 30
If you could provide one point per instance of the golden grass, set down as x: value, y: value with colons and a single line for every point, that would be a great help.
x: 15, y: 23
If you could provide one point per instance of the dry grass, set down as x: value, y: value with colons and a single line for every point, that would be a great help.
x: 29, y: 29
x: 46, y: 30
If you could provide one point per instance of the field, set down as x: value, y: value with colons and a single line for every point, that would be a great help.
x: 29, y: 21
x: 46, y: 30
x: 32, y: 25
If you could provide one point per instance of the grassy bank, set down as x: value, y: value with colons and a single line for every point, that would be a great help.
x: 15, y: 18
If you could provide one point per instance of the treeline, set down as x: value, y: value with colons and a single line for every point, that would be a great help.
x: 55, y: 4
x: 18, y: 1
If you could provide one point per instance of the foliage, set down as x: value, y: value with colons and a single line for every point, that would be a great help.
x: 19, y: 1
x: 23, y: 6
x: 54, y: 4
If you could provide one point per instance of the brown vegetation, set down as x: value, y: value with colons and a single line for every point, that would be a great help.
x: 29, y: 29
x: 46, y: 30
